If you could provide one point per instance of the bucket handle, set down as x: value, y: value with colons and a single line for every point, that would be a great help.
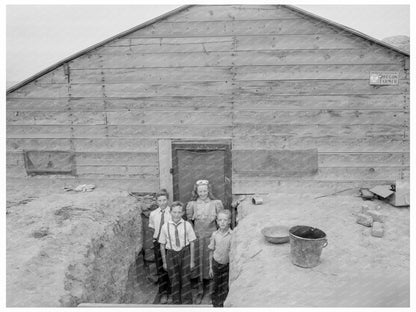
x: 325, y: 244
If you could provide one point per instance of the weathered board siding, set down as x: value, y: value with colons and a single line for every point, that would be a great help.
x: 266, y: 77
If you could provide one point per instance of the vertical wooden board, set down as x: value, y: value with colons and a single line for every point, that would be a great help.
x: 165, y: 165
x: 299, y: 102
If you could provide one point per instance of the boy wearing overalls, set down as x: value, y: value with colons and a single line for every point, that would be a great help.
x: 177, y: 237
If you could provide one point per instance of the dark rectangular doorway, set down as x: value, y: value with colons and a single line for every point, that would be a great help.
x: 196, y: 161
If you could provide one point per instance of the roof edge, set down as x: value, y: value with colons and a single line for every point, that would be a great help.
x: 346, y: 28
x: 177, y: 10
x: 97, y: 45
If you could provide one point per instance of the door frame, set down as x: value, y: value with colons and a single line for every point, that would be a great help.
x: 204, y: 145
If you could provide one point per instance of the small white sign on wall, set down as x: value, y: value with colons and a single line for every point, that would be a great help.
x: 386, y: 78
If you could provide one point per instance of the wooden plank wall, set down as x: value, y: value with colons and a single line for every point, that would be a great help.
x: 263, y: 76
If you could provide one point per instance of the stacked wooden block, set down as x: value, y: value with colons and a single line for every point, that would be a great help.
x: 372, y: 218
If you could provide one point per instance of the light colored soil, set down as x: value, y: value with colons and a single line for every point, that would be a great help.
x: 356, y: 269
x: 64, y: 248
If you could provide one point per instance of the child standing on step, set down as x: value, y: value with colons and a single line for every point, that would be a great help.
x: 177, y: 249
x: 219, y: 258
x: 157, y: 218
x: 202, y: 211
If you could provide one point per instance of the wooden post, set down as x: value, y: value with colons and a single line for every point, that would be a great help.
x: 165, y: 165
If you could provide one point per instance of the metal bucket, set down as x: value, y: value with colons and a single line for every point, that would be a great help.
x: 306, y: 245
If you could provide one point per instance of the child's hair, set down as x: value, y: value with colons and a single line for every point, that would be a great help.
x: 225, y: 212
x: 195, y: 189
x: 162, y: 192
x: 177, y: 204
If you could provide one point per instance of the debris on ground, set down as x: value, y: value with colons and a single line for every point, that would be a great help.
x: 80, y: 188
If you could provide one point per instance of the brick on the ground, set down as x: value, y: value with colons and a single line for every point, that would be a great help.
x: 364, y: 219
x: 364, y: 208
x: 378, y: 229
x: 376, y: 215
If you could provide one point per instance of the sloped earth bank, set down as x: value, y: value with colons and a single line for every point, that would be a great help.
x: 66, y: 248
x: 356, y: 269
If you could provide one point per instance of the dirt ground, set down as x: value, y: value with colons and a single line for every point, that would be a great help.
x: 356, y: 269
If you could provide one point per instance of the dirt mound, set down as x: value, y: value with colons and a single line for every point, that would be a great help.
x: 68, y: 248
x: 356, y: 269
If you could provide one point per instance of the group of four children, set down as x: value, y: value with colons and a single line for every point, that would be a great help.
x: 193, y: 250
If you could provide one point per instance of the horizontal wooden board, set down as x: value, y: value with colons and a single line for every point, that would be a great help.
x: 300, y: 42
x: 117, y: 158
x: 155, y: 75
x: 235, y: 12
x: 364, y: 159
x: 339, y: 174
x: 128, y: 171
x: 275, y: 163
x: 83, y: 145
x: 15, y: 159
x: 37, y: 104
x: 323, y: 144
x: 148, y: 184
x: 332, y: 101
x: 16, y: 171
x: 40, y: 91
x: 126, y: 131
x: 266, y: 185
x: 230, y: 28
x: 172, y: 118
x: 166, y: 45
x: 330, y: 56
x: 342, y: 130
x: 304, y: 72
x: 152, y: 89
x: 322, y: 117
x: 201, y: 59
x: 55, y: 76
x: 55, y: 118
x: 85, y: 104
x: 317, y: 87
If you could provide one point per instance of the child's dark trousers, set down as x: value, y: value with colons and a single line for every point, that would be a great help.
x: 180, y: 275
x: 162, y: 275
x: 221, y: 273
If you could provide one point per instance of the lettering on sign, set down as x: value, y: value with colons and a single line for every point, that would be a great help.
x: 386, y: 78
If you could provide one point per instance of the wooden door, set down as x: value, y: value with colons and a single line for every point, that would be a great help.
x: 196, y: 161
